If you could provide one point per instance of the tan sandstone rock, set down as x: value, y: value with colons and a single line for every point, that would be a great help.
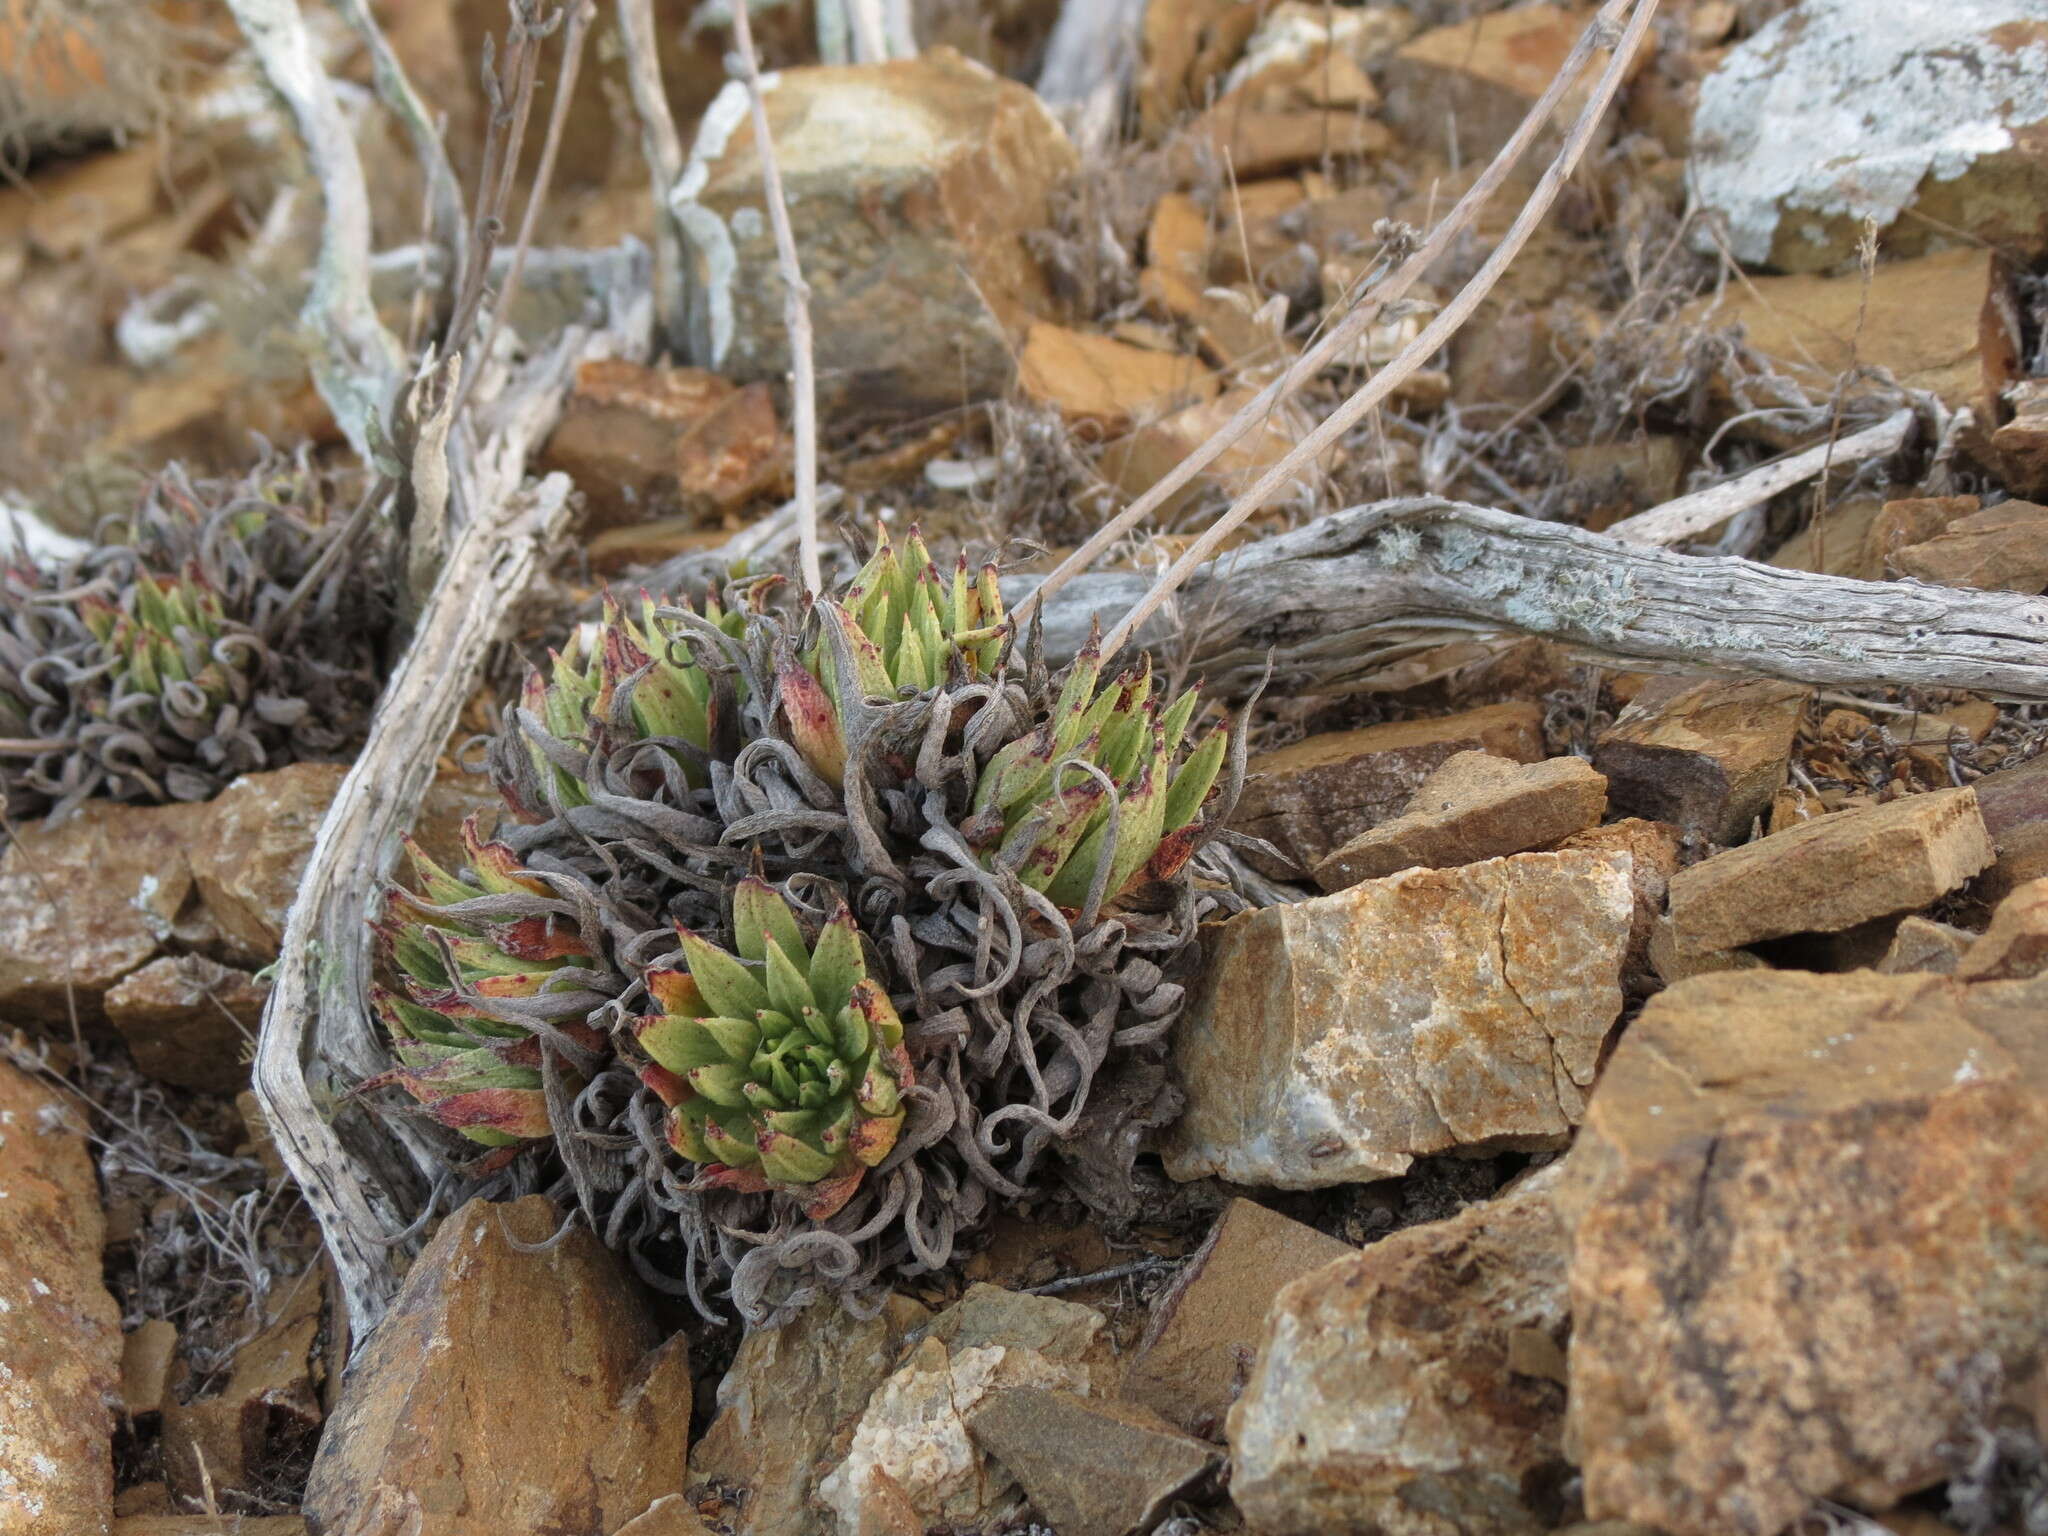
x: 1415, y: 1388
x: 1705, y: 755
x: 1340, y: 1038
x: 1090, y: 1466
x: 1921, y: 944
x: 1799, y: 1207
x: 1476, y: 806
x: 506, y: 1391
x: 60, y: 1332
x: 1310, y: 798
x: 2016, y: 944
x: 2004, y: 549
x: 1197, y: 1349
x: 1832, y: 874
x: 189, y: 1021
x: 911, y: 186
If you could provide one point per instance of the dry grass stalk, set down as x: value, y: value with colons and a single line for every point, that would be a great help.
x: 1433, y: 337
x: 662, y: 148
x: 1363, y: 315
x: 796, y: 308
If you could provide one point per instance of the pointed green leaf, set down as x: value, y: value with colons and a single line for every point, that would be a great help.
x: 729, y: 987
x: 836, y: 963
x: 1197, y: 775
x: 759, y: 914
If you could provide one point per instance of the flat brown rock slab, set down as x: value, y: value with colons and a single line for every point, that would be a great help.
x: 1921, y: 944
x: 2004, y: 549
x: 1090, y: 1466
x: 1338, y: 1039
x: 2015, y: 946
x: 1706, y: 756
x: 912, y: 186
x: 786, y: 1410
x: 670, y: 1515
x: 1829, y: 875
x: 505, y: 1390
x: 1105, y: 383
x: 60, y: 1332
x: 1476, y: 806
x: 1803, y: 1210
x: 1414, y: 1387
x: 190, y: 1021
x: 1311, y: 798
x: 1191, y: 1362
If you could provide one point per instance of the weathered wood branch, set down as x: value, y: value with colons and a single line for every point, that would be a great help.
x: 1349, y: 593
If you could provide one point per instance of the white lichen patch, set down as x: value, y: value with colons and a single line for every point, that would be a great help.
x: 1842, y: 108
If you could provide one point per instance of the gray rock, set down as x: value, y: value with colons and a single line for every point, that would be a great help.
x: 1091, y: 1468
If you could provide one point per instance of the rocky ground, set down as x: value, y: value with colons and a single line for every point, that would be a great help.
x: 1623, y: 1109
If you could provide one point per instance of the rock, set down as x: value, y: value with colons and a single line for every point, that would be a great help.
x: 1705, y: 755
x: 1187, y: 45
x: 1338, y: 1039
x: 2020, y: 446
x: 1672, y: 965
x: 189, y: 1021
x: 1311, y: 798
x: 75, y: 75
x: 1104, y: 383
x: 642, y: 443
x: 1611, y: 481
x: 1313, y: 55
x: 2002, y: 550
x: 670, y: 1515
x: 1089, y: 1467
x: 1801, y: 1208
x: 1477, y: 80
x: 1915, y: 318
x: 1912, y: 520
x: 2013, y: 799
x: 1257, y: 141
x: 210, y: 1525
x: 81, y: 206
x: 2015, y: 946
x: 1921, y: 944
x: 1652, y: 849
x: 1839, y: 540
x: 1415, y: 1388
x: 60, y: 1332
x: 148, y: 1353
x: 786, y: 1410
x: 912, y: 186
x: 260, y: 834
x: 1476, y: 806
x: 1788, y: 154
x: 85, y: 902
x: 1831, y: 874
x: 1197, y: 1349
x: 436, y: 1426
x: 911, y: 1459
x: 1139, y: 461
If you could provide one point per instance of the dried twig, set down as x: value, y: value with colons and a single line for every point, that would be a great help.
x: 1088, y: 65
x: 1343, y: 336
x: 359, y: 362
x: 1432, y: 338
x: 444, y: 193
x: 1333, y: 602
x: 662, y: 148
x: 796, y: 306
x: 1689, y: 516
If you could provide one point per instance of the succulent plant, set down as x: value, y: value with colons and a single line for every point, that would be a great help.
x: 783, y: 1068
x: 1041, y: 813
x: 206, y: 637
x: 476, y: 989
x: 900, y: 626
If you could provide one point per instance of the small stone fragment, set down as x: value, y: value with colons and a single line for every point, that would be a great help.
x: 911, y: 1458
x: 1672, y: 966
x: 2021, y: 445
x: 669, y: 1515
x: 786, y: 1411
x: 1479, y: 78
x: 60, y: 1332
x: 1259, y: 141
x: 1789, y: 159
x: 1411, y: 1388
x: 1921, y: 944
x: 1802, y: 1213
x: 911, y: 186
x: 1338, y: 1039
x: 259, y: 835
x: 1106, y: 383
x: 1912, y: 520
x: 1652, y: 849
x: 1831, y: 874
x: 210, y: 1525
x: 189, y: 1021
x: 1705, y: 755
x: 2002, y: 550
x: 269, y: 1409
x: 1198, y: 1347
x: 397, y: 1458
x: 2015, y: 946
x: 1476, y: 806
x: 148, y: 1354
x: 1090, y: 1467
x: 1138, y: 461
x: 1311, y: 798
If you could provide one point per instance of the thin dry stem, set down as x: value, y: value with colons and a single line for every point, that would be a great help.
x: 1341, y: 338
x: 662, y: 147
x: 1433, y: 337
x: 796, y: 308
